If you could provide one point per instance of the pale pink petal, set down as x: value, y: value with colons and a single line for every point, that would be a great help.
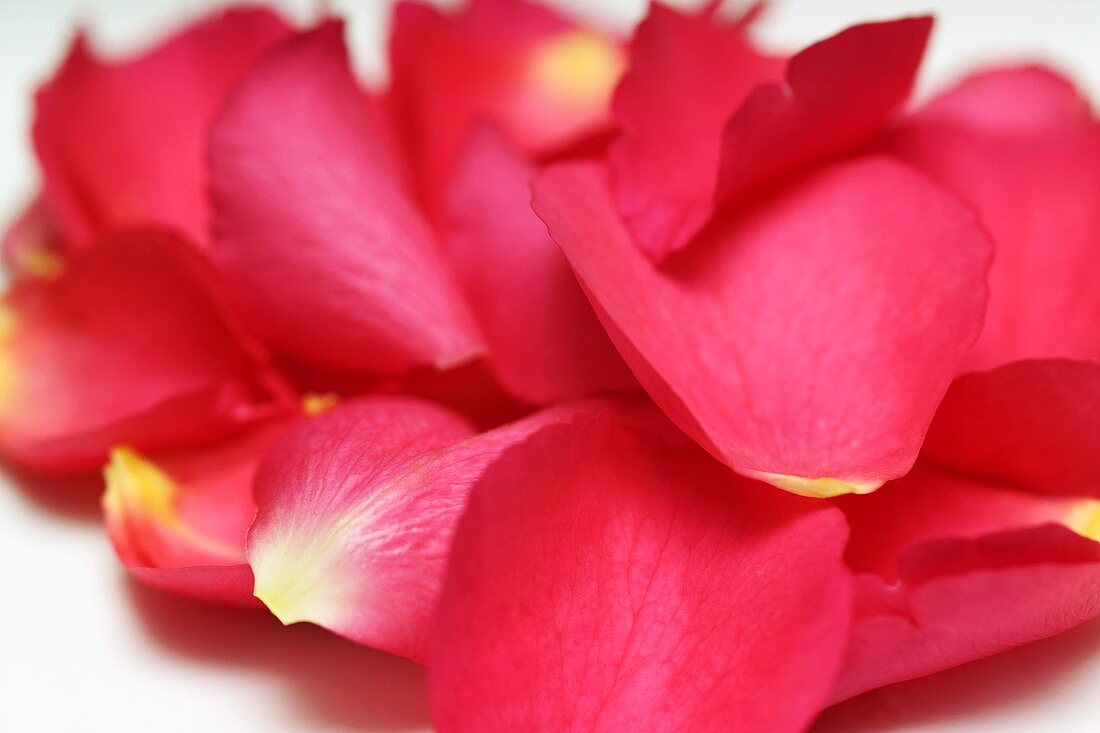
x: 356, y: 512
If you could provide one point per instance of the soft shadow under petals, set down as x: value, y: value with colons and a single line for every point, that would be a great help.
x: 986, y: 688
x: 327, y: 680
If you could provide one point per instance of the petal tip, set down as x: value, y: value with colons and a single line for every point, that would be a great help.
x: 816, y: 488
x: 1084, y: 519
x: 139, y: 492
x: 135, y: 485
x: 295, y: 582
x: 317, y: 403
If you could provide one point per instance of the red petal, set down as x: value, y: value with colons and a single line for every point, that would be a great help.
x: 545, y: 343
x: 544, y: 80
x: 178, y: 521
x: 759, y: 341
x: 1030, y: 423
x: 1020, y: 100
x: 121, y: 142
x: 838, y: 92
x: 930, y: 504
x: 622, y: 590
x: 1019, y: 146
x: 356, y: 511
x: 688, y: 73
x: 961, y: 600
x: 320, y: 246
x: 953, y: 570
x: 128, y: 346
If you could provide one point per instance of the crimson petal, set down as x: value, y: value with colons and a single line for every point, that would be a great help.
x: 1034, y: 424
x: 687, y: 75
x: 131, y: 345
x: 320, y: 247
x: 543, y: 79
x: 178, y: 521
x: 951, y: 570
x: 544, y: 342
x: 1021, y: 146
x: 603, y: 580
x: 356, y: 511
x: 121, y: 142
x: 838, y: 92
x: 758, y: 341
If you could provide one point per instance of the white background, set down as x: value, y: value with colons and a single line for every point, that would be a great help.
x: 84, y: 649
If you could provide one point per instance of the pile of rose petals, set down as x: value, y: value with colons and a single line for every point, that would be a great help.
x: 647, y: 382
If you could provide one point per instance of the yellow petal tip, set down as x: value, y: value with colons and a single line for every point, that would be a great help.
x: 296, y: 582
x: 817, y: 488
x: 134, y: 484
x: 1084, y: 519
x: 138, y: 489
x: 315, y: 403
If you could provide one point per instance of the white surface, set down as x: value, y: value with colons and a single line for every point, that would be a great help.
x: 83, y: 649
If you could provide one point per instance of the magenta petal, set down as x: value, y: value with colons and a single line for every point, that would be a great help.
x: 319, y: 244
x: 121, y: 143
x: 178, y: 521
x: 963, y: 599
x: 950, y: 570
x: 130, y: 343
x: 356, y: 512
x: 759, y: 339
x: 838, y: 92
x: 518, y: 64
x: 1034, y: 424
x: 687, y: 74
x: 544, y: 341
x: 230, y: 585
x: 929, y: 504
x: 602, y: 580
x: 1023, y: 100
x: 1022, y: 148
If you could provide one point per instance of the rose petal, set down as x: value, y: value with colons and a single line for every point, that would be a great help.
x: 1019, y: 147
x: 356, y: 511
x: 320, y: 247
x: 963, y: 599
x: 543, y: 79
x: 953, y: 570
x: 838, y: 92
x: 1034, y: 424
x: 759, y: 340
x: 930, y: 503
x: 178, y: 521
x: 601, y: 580
x: 121, y: 142
x: 544, y: 342
x: 129, y: 345
x: 1018, y: 100
x: 688, y: 73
